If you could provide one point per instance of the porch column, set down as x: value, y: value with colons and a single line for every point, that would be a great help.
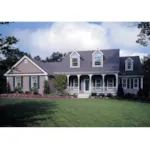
x: 103, y: 79
x: 116, y: 82
x: 68, y: 82
x: 141, y: 83
x: 90, y: 82
x: 78, y: 83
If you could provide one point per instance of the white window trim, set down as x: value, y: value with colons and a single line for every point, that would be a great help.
x: 32, y: 81
x: 125, y: 83
x: 93, y: 60
x: 112, y: 82
x: 78, y: 57
x: 126, y: 64
x: 16, y: 81
x: 137, y: 83
x: 101, y: 85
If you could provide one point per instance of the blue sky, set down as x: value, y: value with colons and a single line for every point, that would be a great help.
x: 43, y: 38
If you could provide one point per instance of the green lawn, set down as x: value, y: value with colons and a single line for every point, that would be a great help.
x: 74, y: 113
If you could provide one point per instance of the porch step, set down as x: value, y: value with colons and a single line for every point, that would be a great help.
x: 84, y: 95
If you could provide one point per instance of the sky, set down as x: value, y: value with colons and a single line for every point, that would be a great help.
x: 44, y: 38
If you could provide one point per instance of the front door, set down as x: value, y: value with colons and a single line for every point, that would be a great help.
x: 86, y: 83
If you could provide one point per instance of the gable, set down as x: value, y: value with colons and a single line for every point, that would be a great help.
x: 25, y: 66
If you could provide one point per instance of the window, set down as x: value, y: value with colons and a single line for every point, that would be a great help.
x: 26, y: 61
x: 110, y: 82
x: 98, y: 83
x: 97, y: 59
x: 18, y: 82
x: 129, y: 64
x: 34, y: 82
x: 74, y: 61
x: 124, y: 83
x: 75, y: 83
x: 135, y: 83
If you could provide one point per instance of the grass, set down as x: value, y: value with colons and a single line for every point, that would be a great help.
x: 74, y: 113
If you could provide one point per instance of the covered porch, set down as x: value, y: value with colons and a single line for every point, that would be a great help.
x: 92, y: 83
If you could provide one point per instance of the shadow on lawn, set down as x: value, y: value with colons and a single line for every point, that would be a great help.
x: 25, y: 114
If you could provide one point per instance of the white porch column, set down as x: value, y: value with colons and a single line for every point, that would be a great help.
x: 90, y: 82
x: 78, y: 83
x: 141, y: 83
x: 116, y: 82
x: 68, y: 82
x: 103, y: 79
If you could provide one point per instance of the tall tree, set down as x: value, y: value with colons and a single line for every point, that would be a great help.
x: 9, y: 56
x: 55, y: 57
x: 144, y: 35
x: 37, y: 57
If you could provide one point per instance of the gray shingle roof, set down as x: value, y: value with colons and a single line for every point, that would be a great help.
x: 137, y: 66
x: 112, y: 63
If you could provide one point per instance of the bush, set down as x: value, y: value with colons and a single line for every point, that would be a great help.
x: 18, y: 90
x: 109, y: 95
x: 8, y: 88
x: 102, y: 95
x: 34, y: 91
x: 129, y: 95
x: 27, y: 92
x: 140, y: 93
x: 120, y: 92
x: 60, y: 83
x: 46, y: 87
x: 93, y: 94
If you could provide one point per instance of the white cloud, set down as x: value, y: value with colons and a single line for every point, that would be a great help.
x: 65, y: 37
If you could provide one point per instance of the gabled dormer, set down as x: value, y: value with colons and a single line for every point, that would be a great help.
x: 97, y: 59
x: 74, y: 60
x: 129, y: 64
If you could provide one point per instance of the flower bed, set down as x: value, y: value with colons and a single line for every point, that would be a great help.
x: 32, y: 96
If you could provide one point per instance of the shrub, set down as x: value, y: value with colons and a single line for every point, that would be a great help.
x: 120, y: 92
x: 140, y: 92
x: 60, y: 83
x: 27, y: 92
x: 109, y: 95
x: 93, y: 94
x: 129, y: 95
x: 46, y: 87
x: 34, y: 91
x: 102, y: 95
x: 18, y: 90
x: 8, y: 88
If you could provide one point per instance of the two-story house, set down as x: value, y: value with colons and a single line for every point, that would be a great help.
x: 98, y: 71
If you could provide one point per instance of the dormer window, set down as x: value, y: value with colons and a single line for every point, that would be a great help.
x: 97, y: 59
x: 74, y: 60
x: 129, y: 65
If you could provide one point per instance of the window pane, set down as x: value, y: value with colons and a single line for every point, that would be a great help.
x: 97, y: 59
x: 74, y: 62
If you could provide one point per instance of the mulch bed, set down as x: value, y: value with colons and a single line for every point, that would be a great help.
x: 33, y: 96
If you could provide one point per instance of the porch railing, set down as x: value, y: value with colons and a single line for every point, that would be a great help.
x: 95, y: 89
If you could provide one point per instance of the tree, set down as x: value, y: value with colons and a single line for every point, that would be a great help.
x: 55, y: 57
x: 9, y: 56
x: 37, y: 57
x: 46, y: 87
x: 146, y: 68
x: 144, y: 35
x: 60, y: 82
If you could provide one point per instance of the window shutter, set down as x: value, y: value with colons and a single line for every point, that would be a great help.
x: 38, y: 82
x: 128, y: 83
x: 22, y: 81
x: 13, y: 81
x: 139, y: 82
x: 131, y: 83
x: 29, y: 82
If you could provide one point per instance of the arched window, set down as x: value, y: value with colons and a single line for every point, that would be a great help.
x: 97, y: 59
x: 129, y: 64
x: 74, y: 60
